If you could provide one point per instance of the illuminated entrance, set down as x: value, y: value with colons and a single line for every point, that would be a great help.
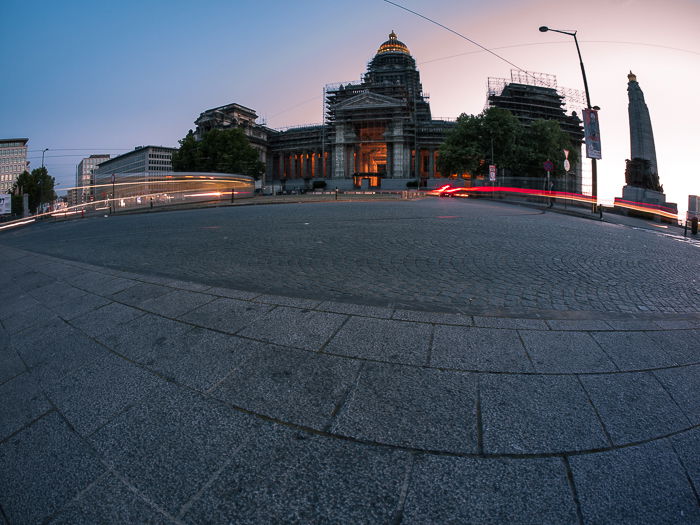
x: 370, y: 155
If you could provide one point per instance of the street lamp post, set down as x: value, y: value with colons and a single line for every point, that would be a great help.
x: 42, y: 156
x: 594, y: 167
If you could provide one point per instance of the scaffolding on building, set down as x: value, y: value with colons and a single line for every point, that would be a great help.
x: 573, y: 99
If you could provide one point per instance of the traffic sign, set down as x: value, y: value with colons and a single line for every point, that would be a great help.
x: 548, y: 165
x: 492, y: 173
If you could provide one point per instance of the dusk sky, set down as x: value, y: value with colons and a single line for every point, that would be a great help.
x: 83, y: 77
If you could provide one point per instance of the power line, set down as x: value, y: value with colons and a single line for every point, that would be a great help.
x: 527, y: 44
x: 456, y: 33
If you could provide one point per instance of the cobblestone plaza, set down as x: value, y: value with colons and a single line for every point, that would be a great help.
x: 428, y: 361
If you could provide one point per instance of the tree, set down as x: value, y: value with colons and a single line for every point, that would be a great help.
x: 220, y: 151
x: 461, y: 152
x: 38, y: 184
x: 496, y: 136
x: 546, y: 141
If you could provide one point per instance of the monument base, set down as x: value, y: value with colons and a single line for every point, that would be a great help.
x: 632, y: 195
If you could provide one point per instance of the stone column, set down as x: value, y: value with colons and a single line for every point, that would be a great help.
x: 389, y: 160
x: 431, y: 164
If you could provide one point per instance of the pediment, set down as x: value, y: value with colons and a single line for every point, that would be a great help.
x: 369, y: 100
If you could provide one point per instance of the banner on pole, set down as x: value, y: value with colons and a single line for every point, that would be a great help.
x: 591, y: 130
x: 5, y: 203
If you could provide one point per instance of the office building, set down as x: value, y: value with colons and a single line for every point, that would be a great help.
x: 13, y: 161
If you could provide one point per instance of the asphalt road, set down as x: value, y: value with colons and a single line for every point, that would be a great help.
x: 438, y: 254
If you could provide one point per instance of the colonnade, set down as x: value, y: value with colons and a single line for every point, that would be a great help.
x: 346, y: 162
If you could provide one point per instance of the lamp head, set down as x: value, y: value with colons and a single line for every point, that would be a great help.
x: 544, y: 29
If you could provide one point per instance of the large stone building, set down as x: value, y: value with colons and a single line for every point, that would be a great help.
x: 13, y: 161
x: 374, y: 130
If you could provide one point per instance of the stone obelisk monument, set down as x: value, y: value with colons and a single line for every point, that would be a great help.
x: 641, y: 171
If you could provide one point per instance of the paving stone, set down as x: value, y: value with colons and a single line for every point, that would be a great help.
x: 684, y: 386
x: 43, y: 467
x: 18, y: 303
x: 527, y: 414
x: 687, y: 446
x: 22, y: 402
x: 10, y: 365
x: 23, y: 319
x: 139, y: 293
x: 186, y: 285
x: 31, y: 280
x: 433, y: 317
x: 226, y: 315
x: 294, y: 386
x: 295, y: 302
x: 233, y: 294
x: 107, y: 286
x: 488, y: 491
x: 634, y: 406
x: 56, y: 293
x: 578, y: 324
x: 294, y: 327
x: 485, y: 349
x: 109, y: 501
x: 356, y: 309
x: 200, y: 358
x: 674, y: 324
x: 632, y: 324
x: 176, y: 303
x: 141, y: 338
x: 170, y: 444
x: 79, y: 306
x: 565, y: 352
x: 635, y: 486
x: 683, y: 346
x: 510, y: 323
x: 413, y: 407
x: 53, y: 349
x: 633, y: 350
x: 290, y: 477
x: 383, y: 340
x: 91, y: 395
x: 107, y: 320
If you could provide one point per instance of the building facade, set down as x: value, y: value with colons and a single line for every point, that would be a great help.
x: 375, y: 130
x: 84, y: 177
x: 13, y: 161
x: 144, y: 162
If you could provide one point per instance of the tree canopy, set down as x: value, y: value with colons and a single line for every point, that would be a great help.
x: 496, y: 136
x: 38, y: 184
x: 220, y: 151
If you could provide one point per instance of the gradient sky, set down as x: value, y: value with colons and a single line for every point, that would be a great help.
x: 82, y: 77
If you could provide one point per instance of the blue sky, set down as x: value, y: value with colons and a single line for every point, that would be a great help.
x: 107, y: 76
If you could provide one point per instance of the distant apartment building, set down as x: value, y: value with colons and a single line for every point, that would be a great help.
x: 84, y: 177
x: 693, y: 206
x: 73, y: 197
x: 149, y: 162
x: 13, y: 161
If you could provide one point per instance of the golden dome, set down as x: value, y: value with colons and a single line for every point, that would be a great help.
x: 393, y: 45
x: 632, y: 77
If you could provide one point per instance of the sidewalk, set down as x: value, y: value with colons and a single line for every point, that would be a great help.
x: 132, y: 399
